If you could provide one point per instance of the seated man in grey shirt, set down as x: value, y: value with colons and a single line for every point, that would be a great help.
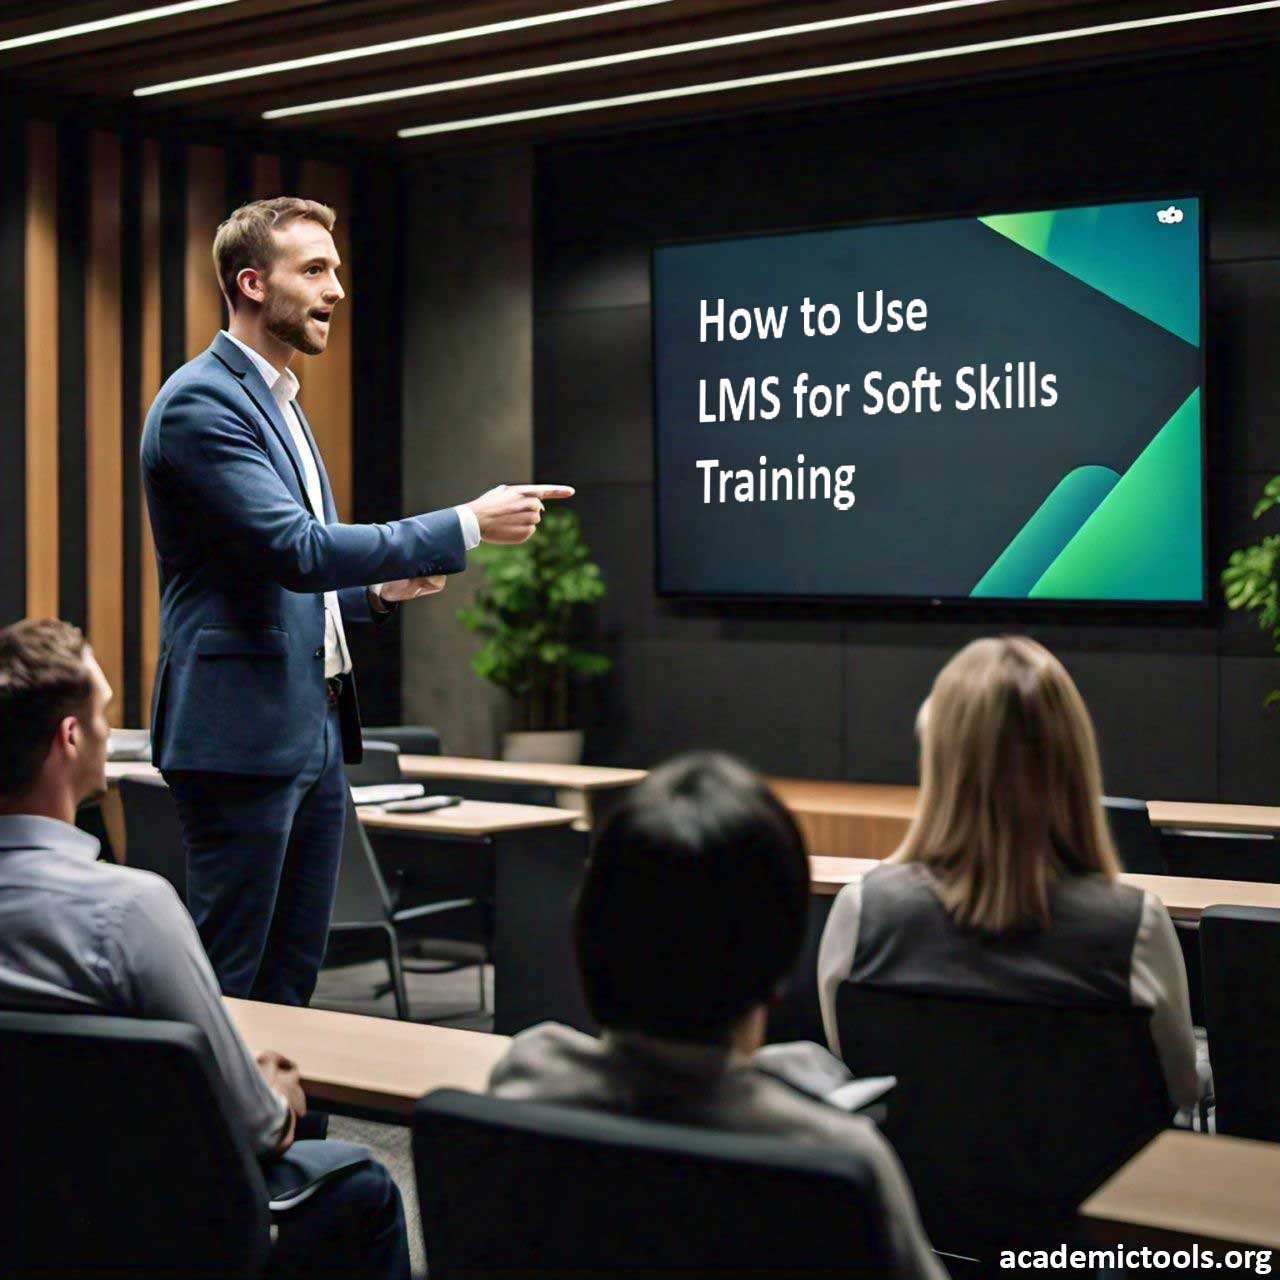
x: 692, y: 913
x: 85, y: 936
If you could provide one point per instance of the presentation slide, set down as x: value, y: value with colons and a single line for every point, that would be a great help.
x: 1004, y: 407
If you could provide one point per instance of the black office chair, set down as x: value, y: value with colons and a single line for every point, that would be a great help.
x: 367, y: 924
x: 1240, y: 947
x: 1143, y: 849
x: 1006, y: 1115
x: 1223, y: 855
x: 121, y: 1154
x: 523, y: 1189
x: 90, y: 820
x: 153, y: 835
x: 412, y: 739
x: 381, y: 763
x: 1137, y: 841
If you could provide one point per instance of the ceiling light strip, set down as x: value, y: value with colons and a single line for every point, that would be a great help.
x: 841, y: 68
x: 107, y: 24
x: 633, y: 55
x: 395, y: 46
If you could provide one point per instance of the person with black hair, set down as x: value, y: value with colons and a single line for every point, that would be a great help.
x: 691, y: 915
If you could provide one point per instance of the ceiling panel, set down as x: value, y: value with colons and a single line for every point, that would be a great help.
x: 103, y: 68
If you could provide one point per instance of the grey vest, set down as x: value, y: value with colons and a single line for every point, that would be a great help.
x: 907, y: 939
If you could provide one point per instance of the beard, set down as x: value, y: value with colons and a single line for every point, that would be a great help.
x: 289, y: 325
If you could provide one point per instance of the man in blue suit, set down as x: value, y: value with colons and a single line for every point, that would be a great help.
x: 254, y: 708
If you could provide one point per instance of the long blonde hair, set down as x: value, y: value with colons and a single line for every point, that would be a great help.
x: 1010, y: 786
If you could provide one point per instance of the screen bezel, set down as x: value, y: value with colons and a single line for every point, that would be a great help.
x: 966, y: 605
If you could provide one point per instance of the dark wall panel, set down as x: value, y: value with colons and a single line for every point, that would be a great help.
x: 1244, y: 318
x: 776, y: 704
x: 884, y: 685
x: 1248, y: 732
x: 1177, y: 711
x: 595, y: 374
x: 1156, y: 719
x: 376, y: 409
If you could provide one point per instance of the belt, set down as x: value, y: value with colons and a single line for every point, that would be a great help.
x: 333, y: 689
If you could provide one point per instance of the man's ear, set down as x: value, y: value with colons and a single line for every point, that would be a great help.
x: 68, y: 735
x: 251, y: 283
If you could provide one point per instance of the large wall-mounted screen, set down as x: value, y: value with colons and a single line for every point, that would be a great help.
x: 1005, y: 407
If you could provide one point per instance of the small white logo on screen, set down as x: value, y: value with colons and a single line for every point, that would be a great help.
x: 1170, y: 215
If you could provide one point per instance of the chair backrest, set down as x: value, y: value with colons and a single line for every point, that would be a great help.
x: 1240, y: 950
x: 381, y: 763
x: 1006, y: 1115
x: 120, y: 1153
x: 412, y: 739
x: 516, y: 1189
x: 361, y: 897
x: 152, y: 832
x: 1223, y: 855
x: 1137, y: 841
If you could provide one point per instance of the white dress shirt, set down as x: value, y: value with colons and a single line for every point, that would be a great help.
x: 284, y: 389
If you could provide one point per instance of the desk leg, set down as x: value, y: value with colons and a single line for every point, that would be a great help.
x: 536, y: 875
x: 601, y: 804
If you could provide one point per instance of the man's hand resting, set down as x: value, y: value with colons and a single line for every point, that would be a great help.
x: 282, y: 1075
x: 403, y: 589
x: 510, y: 513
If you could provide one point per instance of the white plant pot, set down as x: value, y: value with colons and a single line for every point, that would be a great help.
x: 557, y: 746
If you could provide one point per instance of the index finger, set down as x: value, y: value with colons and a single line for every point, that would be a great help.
x: 547, y: 490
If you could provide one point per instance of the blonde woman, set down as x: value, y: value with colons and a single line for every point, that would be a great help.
x: 1005, y: 884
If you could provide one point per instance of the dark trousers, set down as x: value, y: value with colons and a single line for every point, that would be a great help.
x: 351, y: 1227
x: 262, y: 869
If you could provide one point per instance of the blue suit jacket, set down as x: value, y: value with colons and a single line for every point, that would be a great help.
x: 244, y: 564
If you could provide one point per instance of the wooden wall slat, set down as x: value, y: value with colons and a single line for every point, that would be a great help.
x: 326, y: 379
x: 149, y: 321
x: 41, y: 318
x: 73, y: 459
x: 206, y: 208
x: 103, y: 431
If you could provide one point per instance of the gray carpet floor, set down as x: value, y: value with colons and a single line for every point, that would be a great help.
x: 451, y: 1000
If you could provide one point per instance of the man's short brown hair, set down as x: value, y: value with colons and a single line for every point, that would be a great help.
x: 244, y: 239
x: 43, y: 678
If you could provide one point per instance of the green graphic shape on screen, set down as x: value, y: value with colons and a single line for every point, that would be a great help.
x: 1124, y: 251
x: 1143, y: 541
x: 1041, y: 540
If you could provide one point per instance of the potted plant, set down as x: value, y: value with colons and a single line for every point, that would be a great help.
x: 531, y: 612
x: 1249, y: 581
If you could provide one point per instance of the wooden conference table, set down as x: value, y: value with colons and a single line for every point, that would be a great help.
x: 589, y: 788
x: 1184, y: 1188
x: 528, y: 860
x: 376, y: 1067
x: 869, y: 820
x: 839, y: 819
x: 1186, y: 897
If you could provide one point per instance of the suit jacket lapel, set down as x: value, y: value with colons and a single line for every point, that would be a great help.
x: 326, y: 491
x: 257, y: 391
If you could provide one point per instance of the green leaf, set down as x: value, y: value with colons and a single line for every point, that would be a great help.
x: 533, y: 609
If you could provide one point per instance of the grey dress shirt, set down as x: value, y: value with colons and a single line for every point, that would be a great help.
x: 83, y: 936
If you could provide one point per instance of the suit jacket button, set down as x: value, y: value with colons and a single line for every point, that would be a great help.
x: 319, y: 653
